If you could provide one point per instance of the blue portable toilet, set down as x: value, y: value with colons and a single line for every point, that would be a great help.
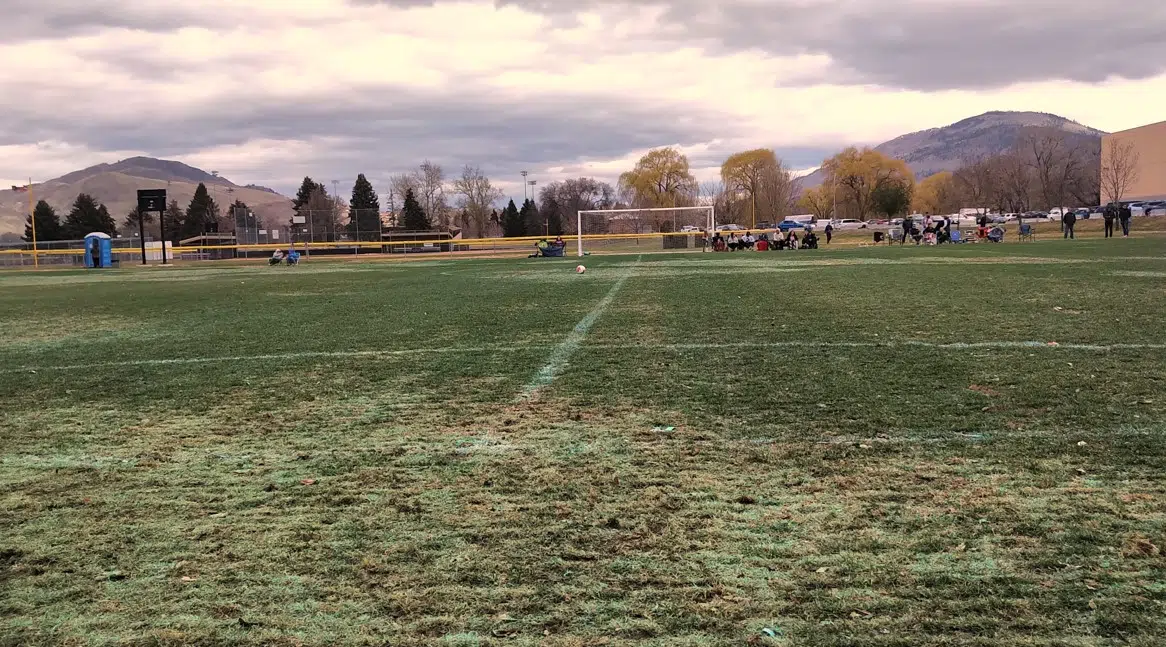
x: 98, y: 250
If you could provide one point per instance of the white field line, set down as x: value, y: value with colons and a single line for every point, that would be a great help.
x: 997, y: 345
x: 470, y: 350
x: 557, y: 360
x: 274, y: 357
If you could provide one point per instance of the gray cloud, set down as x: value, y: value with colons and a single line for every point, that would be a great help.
x: 913, y: 44
x: 388, y: 130
x: 49, y: 19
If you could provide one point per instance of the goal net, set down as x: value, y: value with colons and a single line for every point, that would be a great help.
x: 630, y: 230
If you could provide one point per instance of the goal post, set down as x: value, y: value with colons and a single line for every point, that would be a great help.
x: 632, y: 223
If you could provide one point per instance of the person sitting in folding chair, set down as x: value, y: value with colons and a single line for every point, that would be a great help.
x: 276, y: 257
x: 293, y: 257
x: 809, y: 239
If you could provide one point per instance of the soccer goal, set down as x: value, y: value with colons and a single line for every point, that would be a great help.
x: 616, y: 229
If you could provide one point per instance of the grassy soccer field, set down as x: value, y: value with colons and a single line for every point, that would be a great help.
x: 813, y: 448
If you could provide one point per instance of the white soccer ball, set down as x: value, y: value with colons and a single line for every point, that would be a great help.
x: 579, y: 269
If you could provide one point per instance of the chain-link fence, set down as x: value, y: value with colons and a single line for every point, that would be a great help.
x: 71, y: 253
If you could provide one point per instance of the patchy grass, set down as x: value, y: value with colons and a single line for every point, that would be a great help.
x: 676, y: 485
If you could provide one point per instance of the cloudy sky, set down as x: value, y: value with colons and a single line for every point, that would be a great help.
x: 267, y: 91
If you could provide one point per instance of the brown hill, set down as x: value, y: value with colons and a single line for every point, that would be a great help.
x: 944, y: 149
x: 117, y: 184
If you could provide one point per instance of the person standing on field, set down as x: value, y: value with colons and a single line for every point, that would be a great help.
x: 829, y: 232
x: 1067, y: 221
x: 1124, y: 215
x: 1110, y: 215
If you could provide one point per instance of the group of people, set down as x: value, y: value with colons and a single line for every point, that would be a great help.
x: 543, y: 248
x: 733, y: 243
x: 935, y: 230
x: 292, y: 257
x: 1113, y: 213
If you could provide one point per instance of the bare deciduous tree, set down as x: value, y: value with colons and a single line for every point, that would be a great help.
x: 477, y: 197
x: 1060, y: 167
x: 778, y: 193
x: 1119, y: 168
x: 1016, y: 176
x: 726, y: 209
x: 974, y: 180
x: 431, y: 193
x: 569, y: 197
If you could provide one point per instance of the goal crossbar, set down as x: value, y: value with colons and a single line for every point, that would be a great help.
x: 712, y: 223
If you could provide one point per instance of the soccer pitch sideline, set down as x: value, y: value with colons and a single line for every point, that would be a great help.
x: 894, y: 446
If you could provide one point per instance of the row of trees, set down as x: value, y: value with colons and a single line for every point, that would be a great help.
x: 860, y: 183
x: 755, y: 186
x: 88, y: 215
x: 422, y: 197
x: 1042, y: 171
x: 85, y: 217
x: 1045, y: 169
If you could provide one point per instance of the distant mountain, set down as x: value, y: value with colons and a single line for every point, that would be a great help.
x: 931, y: 151
x: 117, y: 184
x: 149, y: 168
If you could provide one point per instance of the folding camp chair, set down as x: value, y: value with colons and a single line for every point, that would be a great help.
x: 957, y: 237
x: 1027, y: 232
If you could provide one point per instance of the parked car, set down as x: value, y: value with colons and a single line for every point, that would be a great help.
x: 689, y: 229
x: 787, y: 225
x: 849, y: 223
x: 765, y: 224
x: 730, y: 227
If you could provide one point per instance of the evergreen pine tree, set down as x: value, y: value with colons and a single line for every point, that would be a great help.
x: 364, y: 211
x: 86, y: 217
x: 130, y: 224
x: 173, y: 219
x: 202, y: 215
x: 532, y: 223
x: 414, y: 217
x: 549, y: 210
x: 512, y: 223
x: 107, y: 223
x: 307, y: 188
x: 48, y: 223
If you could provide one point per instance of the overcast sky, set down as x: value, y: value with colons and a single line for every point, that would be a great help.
x: 267, y: 91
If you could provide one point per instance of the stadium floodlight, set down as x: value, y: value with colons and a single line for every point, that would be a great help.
x: 644, y: 221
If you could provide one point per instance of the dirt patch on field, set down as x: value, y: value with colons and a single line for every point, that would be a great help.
x: 57, y: 329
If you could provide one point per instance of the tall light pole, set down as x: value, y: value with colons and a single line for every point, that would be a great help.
x: 524, y: 184
x: 335, y: 202
x: 835, y: 214
x: 32, y: 223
